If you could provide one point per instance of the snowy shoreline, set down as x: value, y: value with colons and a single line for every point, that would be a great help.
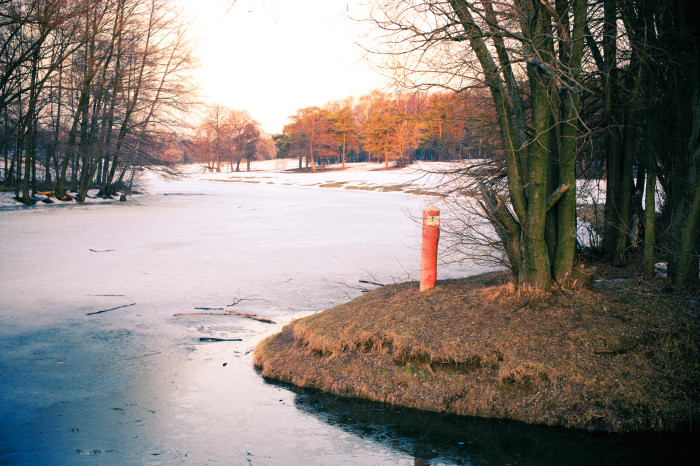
x: 358, y: 176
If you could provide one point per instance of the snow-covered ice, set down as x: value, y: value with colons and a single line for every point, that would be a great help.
x: 135, y: 382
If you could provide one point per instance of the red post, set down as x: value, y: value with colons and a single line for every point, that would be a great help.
x: 431, y: 236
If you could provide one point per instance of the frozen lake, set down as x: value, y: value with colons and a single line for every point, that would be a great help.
x: 135, y: 385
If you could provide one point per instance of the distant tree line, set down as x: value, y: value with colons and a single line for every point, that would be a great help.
x: 89, y: 91
x: 227, y: 135
x: 392, y: 129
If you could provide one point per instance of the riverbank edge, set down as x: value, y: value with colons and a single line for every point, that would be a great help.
x: 622, y: 356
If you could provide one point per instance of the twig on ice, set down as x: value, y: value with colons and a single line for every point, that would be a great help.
x: 219, y: 339
x: 236, y: 301
x: 371, y: 283
x: 107, y: 310
x: 361, y: 288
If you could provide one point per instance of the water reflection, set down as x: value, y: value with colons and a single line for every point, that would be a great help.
x: 433, y: 439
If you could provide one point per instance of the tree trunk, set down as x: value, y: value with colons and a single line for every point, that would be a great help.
x: 570, y: 103
x: 613, y: 163
x: 684, y: 260
x: 29, y: 135
x: 650, y: 200
x: 344, y: 150
x: 540, y: 168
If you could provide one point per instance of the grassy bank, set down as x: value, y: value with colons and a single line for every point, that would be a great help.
x: 621, y: 356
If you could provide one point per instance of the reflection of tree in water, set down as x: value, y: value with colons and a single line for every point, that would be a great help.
x: 440, y: 439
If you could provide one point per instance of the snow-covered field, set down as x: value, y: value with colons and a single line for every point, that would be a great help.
x: 135, y: 384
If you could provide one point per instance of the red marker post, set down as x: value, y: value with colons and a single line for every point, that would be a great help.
x: 431, y: 236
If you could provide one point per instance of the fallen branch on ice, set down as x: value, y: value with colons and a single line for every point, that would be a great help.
x: 107, y: 310
x: 226, y: 313
x: 251, y: 316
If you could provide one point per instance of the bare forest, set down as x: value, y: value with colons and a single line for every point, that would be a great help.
x: 89, y: 91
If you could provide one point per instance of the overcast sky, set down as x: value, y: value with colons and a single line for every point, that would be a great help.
x: 273, y: 57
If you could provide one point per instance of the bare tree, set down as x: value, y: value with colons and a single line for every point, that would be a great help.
x: 87, y: 82
x: 509, y: 42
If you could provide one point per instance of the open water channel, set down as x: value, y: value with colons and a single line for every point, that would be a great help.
x: 136, y: 385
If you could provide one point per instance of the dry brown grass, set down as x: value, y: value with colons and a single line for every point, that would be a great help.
x: 618, y: 357
x: 423, y: 192
x: 394, y: 188
x: 361, y: 187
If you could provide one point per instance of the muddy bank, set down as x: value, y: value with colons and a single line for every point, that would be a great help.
x: 620, y: 357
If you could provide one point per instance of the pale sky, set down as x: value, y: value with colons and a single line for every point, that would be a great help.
x: 273, y: 57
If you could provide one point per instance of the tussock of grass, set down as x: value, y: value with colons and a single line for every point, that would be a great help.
x: 393, y: 188
x: 609, y: 358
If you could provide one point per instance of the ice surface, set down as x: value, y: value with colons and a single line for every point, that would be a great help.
x: 135, y: 384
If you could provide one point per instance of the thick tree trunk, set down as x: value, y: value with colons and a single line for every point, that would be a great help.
x: 684, y: 261
x: 537, y: 264
x: 568, y: 149
x: 612, y: 122
x: 650, y: 197
x: 540, y: 168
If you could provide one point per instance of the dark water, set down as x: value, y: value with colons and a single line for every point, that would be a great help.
x: 441, y: 439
